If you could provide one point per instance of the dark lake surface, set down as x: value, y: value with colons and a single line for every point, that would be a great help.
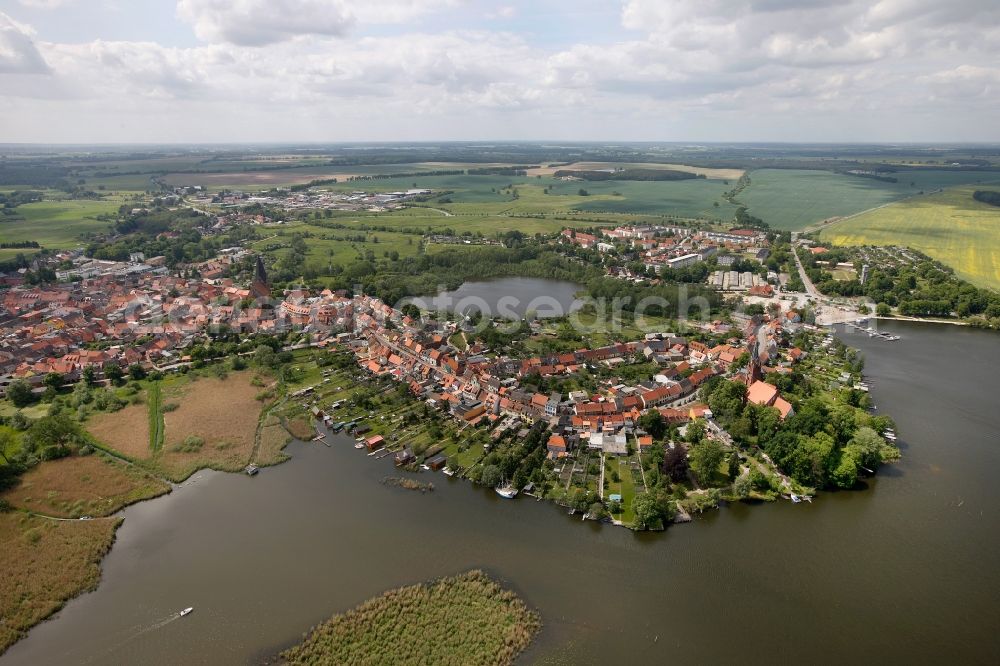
x: 510, y: 297
x: 902, y: 572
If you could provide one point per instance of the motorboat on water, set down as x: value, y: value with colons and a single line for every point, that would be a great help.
x: 187, y: 611
x: 796, y: 499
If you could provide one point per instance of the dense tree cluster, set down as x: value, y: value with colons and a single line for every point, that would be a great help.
x: 925, y: 288
x: 628, y: 174
x: 991, y: 197
x: 820, y: 445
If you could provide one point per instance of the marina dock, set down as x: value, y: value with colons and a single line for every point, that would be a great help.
x: 872, y: 333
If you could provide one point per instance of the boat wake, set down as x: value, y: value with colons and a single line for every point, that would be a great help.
x: 133, y: 633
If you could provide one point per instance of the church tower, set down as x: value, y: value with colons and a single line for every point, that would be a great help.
x: 260, y: 288
x: 754, y: 373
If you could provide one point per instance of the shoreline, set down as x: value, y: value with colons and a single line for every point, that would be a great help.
x: 953, y: 322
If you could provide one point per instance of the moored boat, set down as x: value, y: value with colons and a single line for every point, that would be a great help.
x: 507, y: 492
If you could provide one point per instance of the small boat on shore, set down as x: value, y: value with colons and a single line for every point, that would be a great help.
x: 359, y: 445
x: 506, y: 492
x: 187, y: 611
x: 448, y: 472
x: 796, y: 499
x: 251, y: 469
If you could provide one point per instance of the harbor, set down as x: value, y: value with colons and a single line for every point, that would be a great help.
x: 871, y: 332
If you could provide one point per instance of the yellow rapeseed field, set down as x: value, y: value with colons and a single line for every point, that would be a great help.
x: 949, y: 226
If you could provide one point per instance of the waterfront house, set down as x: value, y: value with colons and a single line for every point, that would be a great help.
x: 403, y: 457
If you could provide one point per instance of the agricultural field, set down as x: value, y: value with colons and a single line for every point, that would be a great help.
x: 111, y: 182
x: 716, y: 174
x: 249, y: 175
x: 466, y: 619
x: 46, y: 563
x: 949, y: 226
x: 795, y: 199
x: 76, y: 486
x: 492, y: 195
x: 57, y: 224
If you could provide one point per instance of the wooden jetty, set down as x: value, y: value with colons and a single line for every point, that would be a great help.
x: 872, y: 333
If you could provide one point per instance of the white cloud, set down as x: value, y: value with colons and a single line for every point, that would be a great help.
x: 18, y: 54
x: 813, y: 69
x: 45, y: 4
x: 502, y: 13
x: 262, y: 22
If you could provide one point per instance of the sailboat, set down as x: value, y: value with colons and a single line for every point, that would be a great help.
x: 506, y: 491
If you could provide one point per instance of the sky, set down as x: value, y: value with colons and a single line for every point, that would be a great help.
x: 178, y: 71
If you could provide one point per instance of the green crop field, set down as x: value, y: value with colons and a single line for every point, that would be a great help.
x: 491, y: 194
x: 56, y: 224
x: 120, y: 183
x: 248, y: 175
x: 682, y: 198
x: 949, y: 226
x: 794, y: 199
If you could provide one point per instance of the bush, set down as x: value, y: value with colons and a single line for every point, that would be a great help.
x: 191, y: 444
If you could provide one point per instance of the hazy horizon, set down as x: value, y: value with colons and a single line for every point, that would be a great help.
x: 168, y: 72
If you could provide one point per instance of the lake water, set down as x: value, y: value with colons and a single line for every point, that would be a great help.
x: 903, y: 572
x: 511, y: 298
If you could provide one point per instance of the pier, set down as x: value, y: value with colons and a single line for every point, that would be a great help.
x: 872, y: 333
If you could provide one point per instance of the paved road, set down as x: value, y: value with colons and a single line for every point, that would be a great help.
x: 810, y: 289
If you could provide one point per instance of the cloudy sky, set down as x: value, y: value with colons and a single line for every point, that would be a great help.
x: 341, y: 70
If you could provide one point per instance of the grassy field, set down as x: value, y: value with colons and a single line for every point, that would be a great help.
x: 949, y: 226
x: 199, y: 421
x: 328, y: 247
x: 94, y: 485
x: 221, y: 414
x: 272, y: 440
x: 468, y: 619
x: 57, y: 224
x: 794, y: 199
x: 46, y: 563
x: 126, y: 431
